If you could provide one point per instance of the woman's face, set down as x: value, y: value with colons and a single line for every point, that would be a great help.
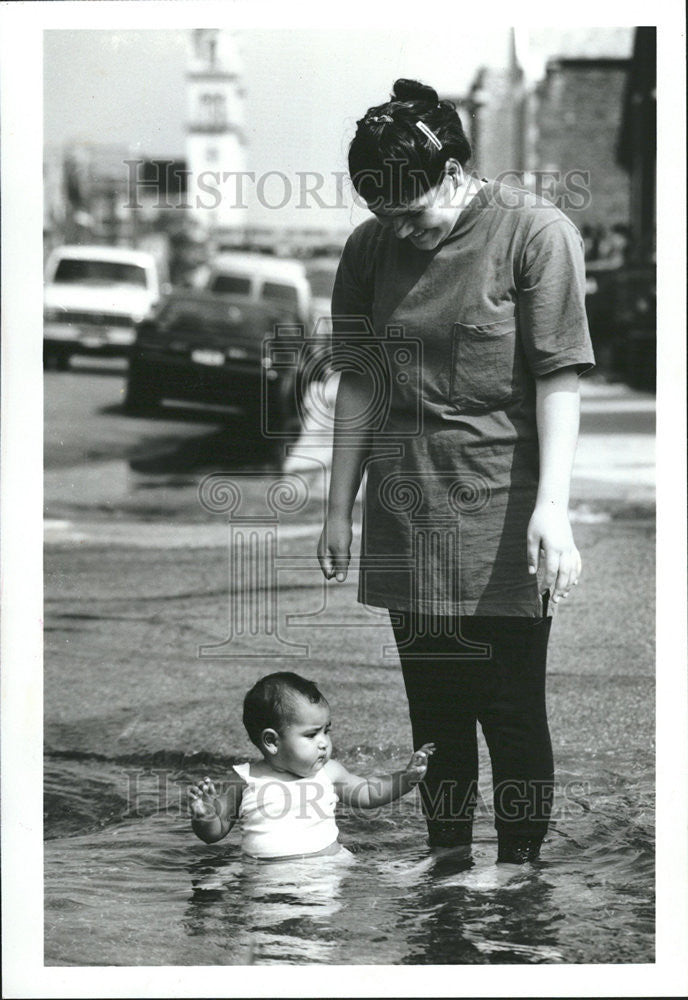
x: 426, y: 221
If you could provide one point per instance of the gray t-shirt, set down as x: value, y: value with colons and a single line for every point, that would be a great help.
x: 455, y: 338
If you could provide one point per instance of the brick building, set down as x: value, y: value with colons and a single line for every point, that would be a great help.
x: 578, y: 114
x: 564, y: 116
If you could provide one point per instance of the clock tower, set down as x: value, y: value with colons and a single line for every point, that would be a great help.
x: 215, y: 141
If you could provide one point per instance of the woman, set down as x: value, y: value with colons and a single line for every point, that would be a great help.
x: 459, y: 331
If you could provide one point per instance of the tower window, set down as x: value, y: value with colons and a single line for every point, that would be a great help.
x: 213, y: 109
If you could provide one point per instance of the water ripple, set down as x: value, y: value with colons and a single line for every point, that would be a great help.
x: 590, y: 898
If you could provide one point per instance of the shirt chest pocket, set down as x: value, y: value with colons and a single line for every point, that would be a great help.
x: 484, y: 365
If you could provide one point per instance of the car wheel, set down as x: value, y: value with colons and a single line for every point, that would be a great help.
x: 285, y: 408
x: 142, y: 395
x: 56, y: 358
x: 63, y: 361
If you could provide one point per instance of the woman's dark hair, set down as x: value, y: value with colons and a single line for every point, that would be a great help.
x: 391, y: 159
x: 272, y: 702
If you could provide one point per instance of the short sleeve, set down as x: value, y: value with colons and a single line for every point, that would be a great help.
x: 352, y: 301
x: 237, y: 782
x: 552, y: 321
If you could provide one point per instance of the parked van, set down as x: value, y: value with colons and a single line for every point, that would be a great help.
x: 93, y: 297
x: 262, y: 278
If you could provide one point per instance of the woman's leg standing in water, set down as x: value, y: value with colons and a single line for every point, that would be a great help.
x: 449, y: 690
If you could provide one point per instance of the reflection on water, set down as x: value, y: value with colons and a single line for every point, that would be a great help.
x: 280, y: 913
x: 139, y: 889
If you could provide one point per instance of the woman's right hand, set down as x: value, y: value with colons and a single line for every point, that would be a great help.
x: 334, y: 548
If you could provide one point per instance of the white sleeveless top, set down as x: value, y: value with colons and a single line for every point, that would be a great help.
x: 284, y: 818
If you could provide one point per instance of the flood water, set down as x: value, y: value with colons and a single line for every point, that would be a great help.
x: 127, y: 883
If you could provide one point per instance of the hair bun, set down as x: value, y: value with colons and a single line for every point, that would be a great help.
x: 412, y: 90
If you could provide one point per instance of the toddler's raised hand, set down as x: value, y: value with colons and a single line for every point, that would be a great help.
x: 418, y: 764
x: 202, y: 799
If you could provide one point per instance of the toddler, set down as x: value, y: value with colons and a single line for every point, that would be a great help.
x: 285, y: 803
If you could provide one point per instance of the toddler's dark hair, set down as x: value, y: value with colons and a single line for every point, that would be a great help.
x: 391, y: 160
x: 271, y: 702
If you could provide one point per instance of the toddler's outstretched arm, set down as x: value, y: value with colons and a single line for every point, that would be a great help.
x: 368, y: 793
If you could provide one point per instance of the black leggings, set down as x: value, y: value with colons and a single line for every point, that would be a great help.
x: 458, y: 671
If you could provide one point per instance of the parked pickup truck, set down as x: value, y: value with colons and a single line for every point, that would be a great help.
x: 93, y: 297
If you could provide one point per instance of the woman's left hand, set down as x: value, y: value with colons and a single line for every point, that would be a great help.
x: 550, y: 539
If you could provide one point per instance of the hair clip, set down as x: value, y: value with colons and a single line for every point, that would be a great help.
x: 429, y: 133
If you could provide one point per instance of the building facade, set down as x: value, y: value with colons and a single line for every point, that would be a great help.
x: 637, y: 146
x: 578, y: 114
x: 557, y: 133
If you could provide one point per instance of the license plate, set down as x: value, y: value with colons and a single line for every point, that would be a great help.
x: 91, y: 337
x: 214, y: 358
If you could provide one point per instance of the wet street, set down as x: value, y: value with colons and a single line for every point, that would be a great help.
x: 85, y: 422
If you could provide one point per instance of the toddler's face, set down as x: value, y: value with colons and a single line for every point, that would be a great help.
x: 304, y: 743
